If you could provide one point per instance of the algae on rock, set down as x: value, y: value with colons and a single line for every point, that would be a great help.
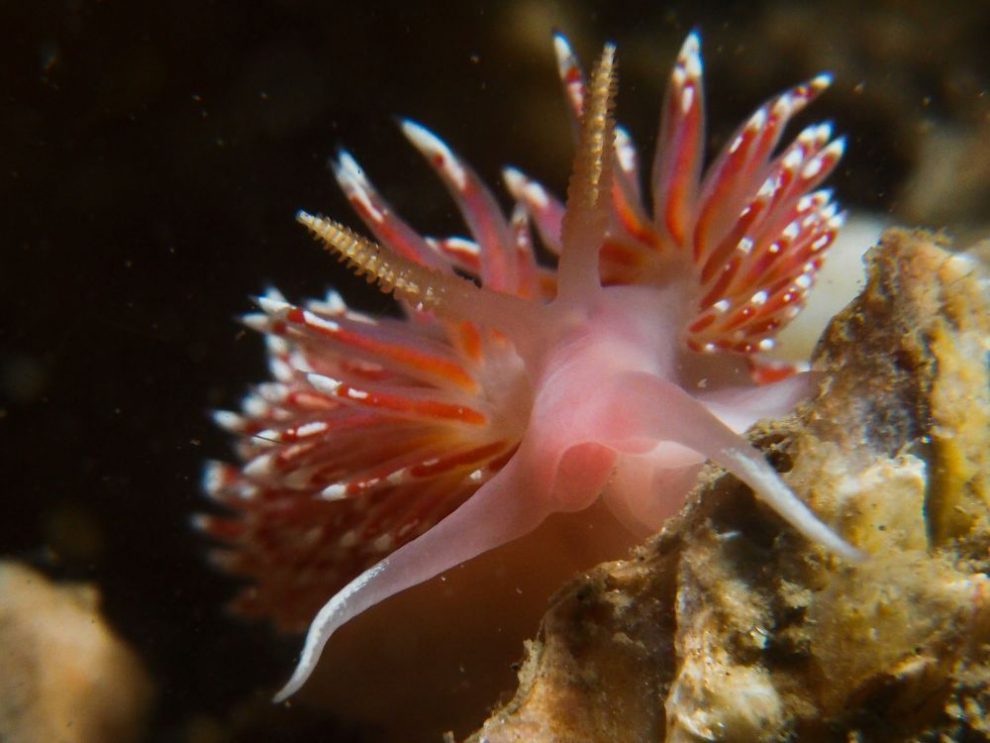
x: 64, y: 673
x: 730, y: 626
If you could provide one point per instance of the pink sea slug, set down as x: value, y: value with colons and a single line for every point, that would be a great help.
x: 388, y: 451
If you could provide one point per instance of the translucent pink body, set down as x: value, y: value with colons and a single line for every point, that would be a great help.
x: 436, y: 439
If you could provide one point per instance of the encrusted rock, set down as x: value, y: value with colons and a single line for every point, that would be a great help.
x: 64, y: 675
x: 730, y: 626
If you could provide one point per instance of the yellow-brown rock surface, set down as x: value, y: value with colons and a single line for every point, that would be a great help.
x: 729, y: 626
x: 65, y: 677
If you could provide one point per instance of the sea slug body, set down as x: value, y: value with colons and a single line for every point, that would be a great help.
x: 387, y: 451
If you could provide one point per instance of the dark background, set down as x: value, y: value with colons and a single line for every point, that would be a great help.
x: 152, y: 155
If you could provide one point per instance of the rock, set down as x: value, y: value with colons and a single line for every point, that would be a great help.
x: 729, y: 626
x: 64, y: 675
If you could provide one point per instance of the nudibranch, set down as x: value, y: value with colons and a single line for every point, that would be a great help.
x: 387, y: 451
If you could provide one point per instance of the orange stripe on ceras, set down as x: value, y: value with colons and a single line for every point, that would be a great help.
x: 470, y: 340
x: 387, y: 233
x: 432, y: 467
x: 422, y: 408
x: 470, y: 457
x: 768, y: 373
x: 701, y: 323
x: 407, y: 356
x: 304, y: 401
x: 620, y: 254
x: 226, y: 530
x: 631, y: 222
x: 727, y: 181
x: 717, y: 291
x: 740, y: 317
x: 676, y: 216
x: 548, y: 285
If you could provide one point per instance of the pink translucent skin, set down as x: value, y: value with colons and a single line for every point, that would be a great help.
x: 616, y: 376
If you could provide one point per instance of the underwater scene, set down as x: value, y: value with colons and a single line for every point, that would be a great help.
x: 495, y: 371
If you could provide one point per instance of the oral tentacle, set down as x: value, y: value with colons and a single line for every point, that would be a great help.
x: 635, y: 475
x: 503, y: 510
x: 646, y: 408
x: 740, y: 407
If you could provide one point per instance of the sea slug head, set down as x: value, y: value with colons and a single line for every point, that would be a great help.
x: 387, y: 451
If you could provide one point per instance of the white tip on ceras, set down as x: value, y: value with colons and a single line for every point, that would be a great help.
x: 273, y: 307
x: 228, y: 420
x: 256, y: 321
x: 455, y: 246
x: 433, y: 148
x: 523, y: 189
x: 280, y: 369
x: 331, y: 304
x: 335, y: 492
x: 688, y: 68
x: 215, y: 478
x: 274, y: 294
x: 823, y: 132
x: 569, y: 70
x: 324, y: 384
x: 261, y: 466
x: 515, y: 182
x: 201, y: 522
x: 347, y: 168
x: 268, y: 304
x: 255, y: 406
x: 625, y: 152
x: 355, y: 186
x: 566, y: 60
x: 835, y: 150
x: 820, y: 82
